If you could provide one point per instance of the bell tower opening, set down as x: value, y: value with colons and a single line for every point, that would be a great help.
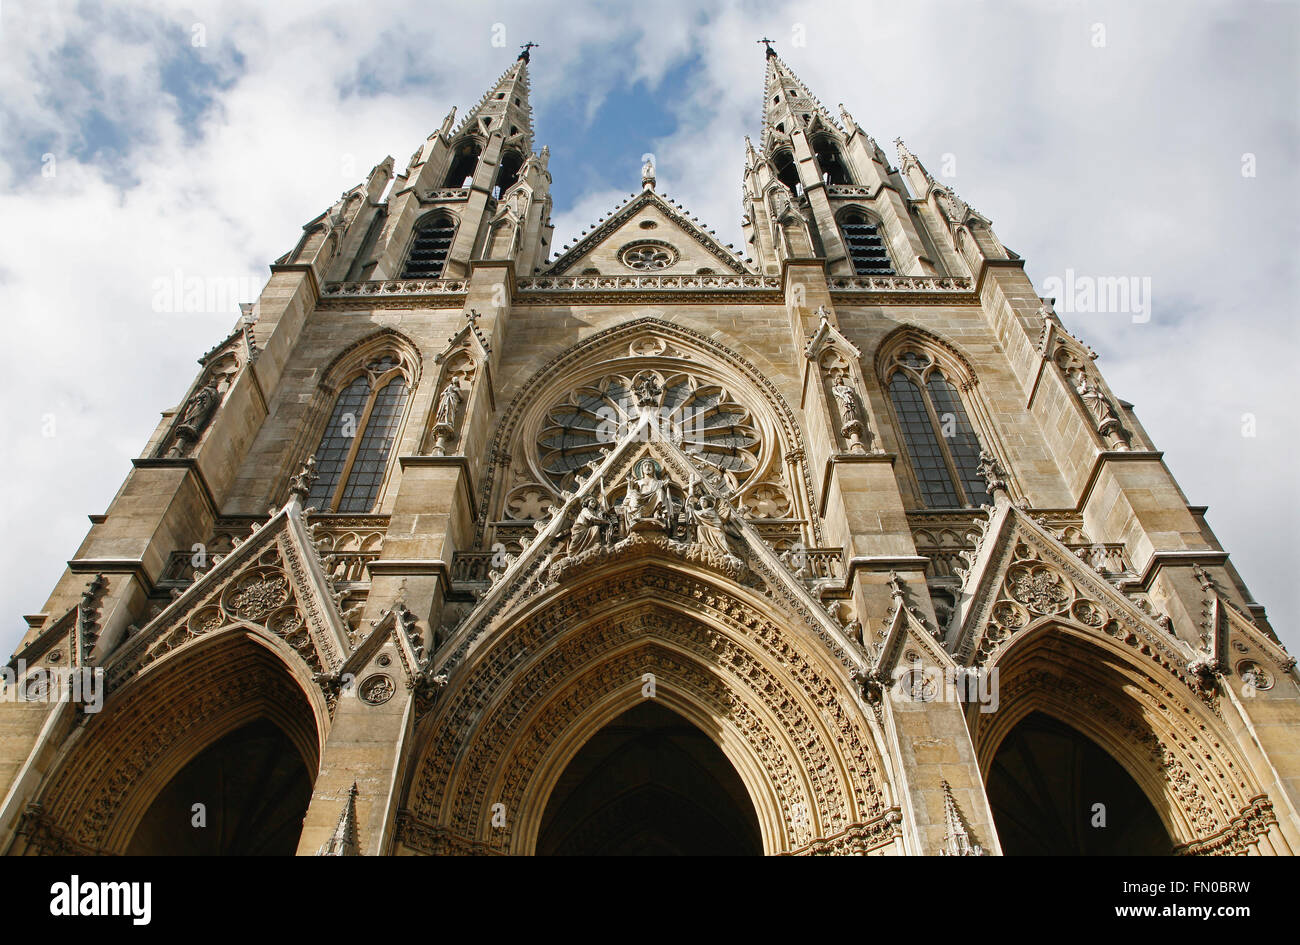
x: 254, y: 789
x: 1045, y: 787
x: 649, y: 784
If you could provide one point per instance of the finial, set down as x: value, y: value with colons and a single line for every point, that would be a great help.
x: 768, y: 43
x: 957, y: 839
x: 300, y: 485
x: 523, y: 56
x: 993, y: 474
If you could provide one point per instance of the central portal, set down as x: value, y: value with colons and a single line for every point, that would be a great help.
x: 649, y: 784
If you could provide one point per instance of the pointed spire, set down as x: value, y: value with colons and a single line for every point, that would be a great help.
x: 909, y: 161
x: 448, y: 123
x: 344, y: 841
x: 505, y: 105
x: 956, y: 838
x: 786, y: 100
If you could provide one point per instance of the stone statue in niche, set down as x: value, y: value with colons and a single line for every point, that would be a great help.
x: 851, y: 425
x: 444, y: 422
x: 195, y: 416
x: 1102, y: 412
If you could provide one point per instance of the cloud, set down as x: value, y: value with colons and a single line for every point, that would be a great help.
x: 1122, y: 159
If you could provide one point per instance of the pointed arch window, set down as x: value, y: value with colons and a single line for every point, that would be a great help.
x: 937, y: 433
x: 352, y: 457
x: 866, y: 246
x: 786, y: 171
x: 511, y: 164
x: 829, y: 161
x: 429, y: 247
x: 463, y: 165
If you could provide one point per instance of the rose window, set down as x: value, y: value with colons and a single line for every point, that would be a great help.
x: 700, y: 416
x: 646, y: 257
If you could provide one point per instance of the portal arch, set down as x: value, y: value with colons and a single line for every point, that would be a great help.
x: 540, y: 684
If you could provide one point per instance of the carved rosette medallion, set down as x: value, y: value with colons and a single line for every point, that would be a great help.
x: 376, y: 689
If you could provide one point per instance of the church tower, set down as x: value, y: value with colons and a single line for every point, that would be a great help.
x: 836, y: 544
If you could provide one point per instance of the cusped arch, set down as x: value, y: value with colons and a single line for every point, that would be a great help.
x: 1173, y: 743
x: 540, y: 684
x: 682, y: 350
x: 352, y: 360
x: 109, y: 771
x: 947, y: 356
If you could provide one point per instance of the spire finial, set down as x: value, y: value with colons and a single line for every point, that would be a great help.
x: 526, y: 47
x: 768, y: 43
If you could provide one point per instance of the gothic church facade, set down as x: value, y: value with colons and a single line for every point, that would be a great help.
x: 839, y: 544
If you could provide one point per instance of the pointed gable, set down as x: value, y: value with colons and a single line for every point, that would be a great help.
x: 647, y: 235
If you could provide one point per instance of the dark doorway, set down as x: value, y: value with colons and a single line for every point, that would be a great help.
x: 1043, y: 787
x: 649, y: 784
x: 254, y: 789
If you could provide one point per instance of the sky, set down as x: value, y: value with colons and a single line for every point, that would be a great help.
x: 142, y: 143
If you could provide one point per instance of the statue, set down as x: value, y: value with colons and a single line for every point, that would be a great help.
x: 648, y: 173
x: 588, y: 529
x: 847, y: 399
x: 448, y: 404
x: 195, y: 415
x: 1099, y: 407
x: 647, y: 495
x: 713, y: 522
x: 444, y: 421
x: 851, y: 425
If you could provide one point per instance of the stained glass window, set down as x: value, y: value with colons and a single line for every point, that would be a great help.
x: 937, y: 434
x: 353, y: 453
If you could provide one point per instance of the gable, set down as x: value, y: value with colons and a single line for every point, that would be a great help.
x: 647, y: 236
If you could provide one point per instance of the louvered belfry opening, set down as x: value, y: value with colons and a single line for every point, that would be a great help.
x: 866, y: 246
x: 429, y: 249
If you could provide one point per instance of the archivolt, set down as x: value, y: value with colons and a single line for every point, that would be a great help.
x: 522, y: 705
x: 110, y: 770
x: 1169, y: 741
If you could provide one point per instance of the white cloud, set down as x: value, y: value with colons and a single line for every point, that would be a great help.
x: 1111, y: 161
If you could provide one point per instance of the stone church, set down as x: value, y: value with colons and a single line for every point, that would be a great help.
x: 836, y: 543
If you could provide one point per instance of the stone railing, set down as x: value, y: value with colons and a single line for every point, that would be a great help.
x: 471, y: 567
x: 901, y: 283
x: 396, y: 287
x: 716, y: 282
x: 447, y: 193
x: 944, y: 536
x: 347, y: 543
x: 847, y: 190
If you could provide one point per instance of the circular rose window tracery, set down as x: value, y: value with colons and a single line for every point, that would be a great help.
x: 701, y: 416
x: 648, y: 256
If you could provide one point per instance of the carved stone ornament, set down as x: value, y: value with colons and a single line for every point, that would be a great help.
x: 376, y: 689
x: 194, y: 419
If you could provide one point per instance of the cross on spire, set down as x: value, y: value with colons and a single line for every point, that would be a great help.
x: 768, y: 43
x: 526, y: 47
